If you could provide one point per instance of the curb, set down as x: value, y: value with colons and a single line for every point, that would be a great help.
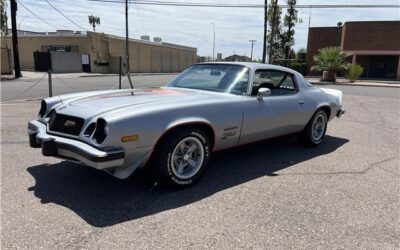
x: 22, y: 100
x: 356, y: 84
x: 97, y: 75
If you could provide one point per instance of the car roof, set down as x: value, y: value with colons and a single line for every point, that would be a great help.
x: 255, y: 66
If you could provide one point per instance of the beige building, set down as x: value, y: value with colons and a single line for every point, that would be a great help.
x: 68, y: 51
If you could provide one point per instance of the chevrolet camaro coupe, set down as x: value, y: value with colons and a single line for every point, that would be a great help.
x: 208, y: 107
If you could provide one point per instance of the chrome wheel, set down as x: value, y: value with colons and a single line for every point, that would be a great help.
x: 318, y: 127
x: 187, y: 157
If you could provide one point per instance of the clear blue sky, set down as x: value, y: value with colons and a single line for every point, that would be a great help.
x: 193, y: 26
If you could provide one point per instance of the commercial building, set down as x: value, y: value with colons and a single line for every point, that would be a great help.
x: 69, y: 51
x: 375, y: 45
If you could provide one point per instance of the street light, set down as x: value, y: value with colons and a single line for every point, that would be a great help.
x: 252, y: 44
x: 213, y: 42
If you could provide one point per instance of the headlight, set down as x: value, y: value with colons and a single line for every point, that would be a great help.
x: 43, y: 109
x: 90, y: 129
x: 101, y: 131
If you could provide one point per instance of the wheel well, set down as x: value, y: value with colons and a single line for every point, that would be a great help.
x: 206, y: 128
x: 327, y: 111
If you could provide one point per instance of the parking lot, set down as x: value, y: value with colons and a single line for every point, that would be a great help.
x: 345, y: 194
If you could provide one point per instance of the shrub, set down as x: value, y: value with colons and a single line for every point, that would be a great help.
x: 354, y: 71
x: 300, y: 67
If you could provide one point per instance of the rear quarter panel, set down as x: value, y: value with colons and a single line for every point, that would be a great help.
x: 315, y: 99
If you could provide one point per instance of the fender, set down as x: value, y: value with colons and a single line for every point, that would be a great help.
x: 190, y: 121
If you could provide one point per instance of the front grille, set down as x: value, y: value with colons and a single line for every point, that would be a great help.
x: 65, y: 124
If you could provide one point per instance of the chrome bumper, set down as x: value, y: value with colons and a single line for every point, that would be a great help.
x: 70, y: 149
x: 340, y: 113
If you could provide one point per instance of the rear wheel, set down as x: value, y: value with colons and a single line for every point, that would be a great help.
x: 182, y: 157
x: 314, y: 132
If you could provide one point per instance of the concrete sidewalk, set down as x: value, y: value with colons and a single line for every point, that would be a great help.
x: 346, y: 82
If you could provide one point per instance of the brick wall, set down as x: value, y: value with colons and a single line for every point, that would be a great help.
x: 376, y: 36
x: 318, y: 38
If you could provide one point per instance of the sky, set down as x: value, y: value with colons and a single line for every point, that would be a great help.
x: 192, y: 26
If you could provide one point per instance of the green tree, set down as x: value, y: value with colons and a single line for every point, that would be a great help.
x: 331, y: 60
x: 302, y: 50
x: 289, y: 21
x: 3, y: 7
x: 283, y: 29
x: 274, y: 41
x: 93, y: 20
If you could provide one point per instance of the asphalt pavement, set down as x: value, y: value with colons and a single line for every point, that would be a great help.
x: 22, y: 88
x: 344, y: 194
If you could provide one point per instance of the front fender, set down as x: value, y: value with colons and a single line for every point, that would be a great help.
x: 187, y: 121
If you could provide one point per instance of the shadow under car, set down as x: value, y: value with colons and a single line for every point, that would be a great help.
x: 102, y: 200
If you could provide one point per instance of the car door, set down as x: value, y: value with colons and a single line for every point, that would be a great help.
x: 274, y: 115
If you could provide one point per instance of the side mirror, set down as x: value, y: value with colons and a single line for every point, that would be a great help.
x: 263, y: 92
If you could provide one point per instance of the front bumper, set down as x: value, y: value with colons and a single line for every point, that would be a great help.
x: 70, y: 149
x: 340, y: 113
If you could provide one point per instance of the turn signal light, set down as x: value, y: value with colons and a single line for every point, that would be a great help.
x: 129, y: 138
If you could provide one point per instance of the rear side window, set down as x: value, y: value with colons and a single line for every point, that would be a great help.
x: 279, y: 82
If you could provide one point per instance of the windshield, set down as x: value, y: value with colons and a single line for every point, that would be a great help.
x: 214, y: 77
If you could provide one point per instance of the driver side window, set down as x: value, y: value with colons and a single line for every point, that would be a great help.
x: 279, y: 82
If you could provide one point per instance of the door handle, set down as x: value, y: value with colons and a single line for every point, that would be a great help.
x: 301, y: 102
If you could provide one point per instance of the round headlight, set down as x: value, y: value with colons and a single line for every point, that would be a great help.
x: 106, y: 130
x: 43, y: 109
x: 101, y: 131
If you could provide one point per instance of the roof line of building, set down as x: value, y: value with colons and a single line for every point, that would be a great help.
x: 171, y: 45
x: 383, y: 21
x: 87, y: 34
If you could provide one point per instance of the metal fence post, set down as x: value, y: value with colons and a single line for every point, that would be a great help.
x: 120, y: 72
x: 50, y: 84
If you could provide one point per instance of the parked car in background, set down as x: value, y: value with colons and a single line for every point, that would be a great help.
x: 208, y: 107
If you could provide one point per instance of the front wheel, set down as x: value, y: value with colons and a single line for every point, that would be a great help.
x: 314, y: 132
x: 182, y: 157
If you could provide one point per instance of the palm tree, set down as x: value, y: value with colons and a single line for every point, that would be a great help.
x: 93, y: 20
x: 331, y: 60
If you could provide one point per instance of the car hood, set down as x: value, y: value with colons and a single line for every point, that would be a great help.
x: 94, y: 104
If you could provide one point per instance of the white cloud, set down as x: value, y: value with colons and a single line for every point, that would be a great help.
x: 192, y: 26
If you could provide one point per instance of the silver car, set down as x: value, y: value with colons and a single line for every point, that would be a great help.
x: 208, y: 107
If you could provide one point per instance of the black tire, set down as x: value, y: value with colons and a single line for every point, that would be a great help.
x: 306, y: 136
x: 163, y: 157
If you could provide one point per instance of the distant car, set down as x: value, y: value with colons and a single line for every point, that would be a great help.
x: 208, y: 107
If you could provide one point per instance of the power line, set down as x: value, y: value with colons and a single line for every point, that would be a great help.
x: 140, y: 18
x: 218, y: 5
x: 33, y: 13
x: 65, y: 15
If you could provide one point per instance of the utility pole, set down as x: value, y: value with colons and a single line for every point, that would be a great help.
x: 252, y: 44
x: 264, y: 55
x: 127, y: 45
x: 17, y: 68
x: 274, y: 6
x: 213, y: 43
